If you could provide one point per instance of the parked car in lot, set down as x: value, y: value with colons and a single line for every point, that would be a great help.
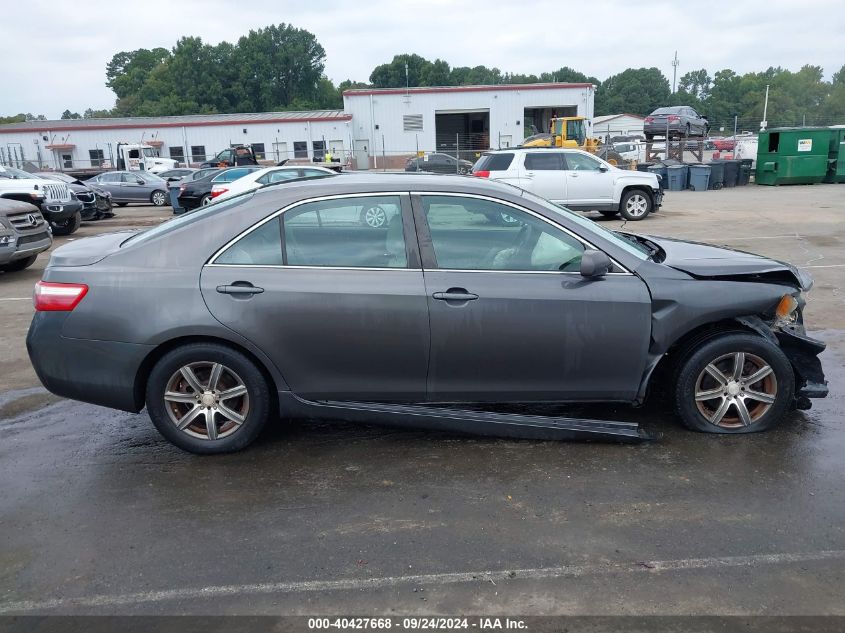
x: 96, y: 202
x: 23, y: 234
x: 132, y: 186
x: 55, y: 200
x: 237, y: 155
x: 266, y: 176
x: 197, y: 193
x: 438, y: 163
x: 679, y: 120
x: 575, y: 179
x: 274, y: 301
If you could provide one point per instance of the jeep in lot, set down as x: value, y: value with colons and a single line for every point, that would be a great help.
x: 575, y: 179
x: 23, y: 234
x: 55, y: 200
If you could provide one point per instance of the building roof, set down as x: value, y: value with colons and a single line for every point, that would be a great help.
x: 189, y: 120
x: 359, y: 92
x: 608, y: 117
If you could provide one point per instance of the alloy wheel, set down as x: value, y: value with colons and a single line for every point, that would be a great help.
x: 206, y: 400
x: 206, y: 200
x: 637, y: 205
x: 735, y: 390
x: 375, y: 217
x: 159, y: 199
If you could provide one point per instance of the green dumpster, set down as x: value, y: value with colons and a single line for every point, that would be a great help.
x: 793, y: 156
x: 836, y: 158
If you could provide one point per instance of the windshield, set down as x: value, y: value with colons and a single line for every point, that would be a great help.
x: 187, y: 218
x: 148, y: 151
x: 632, y: 247
x: 11, y: 172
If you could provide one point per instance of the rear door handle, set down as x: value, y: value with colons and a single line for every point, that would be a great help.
x: 455, y: 294
x: 240, y: 288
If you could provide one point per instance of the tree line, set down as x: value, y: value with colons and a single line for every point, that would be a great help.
x: 281, y: 67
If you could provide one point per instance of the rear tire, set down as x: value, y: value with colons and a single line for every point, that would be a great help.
x: 196, y: 394
x: 710, y: 398
x: 158, y: 198
x: 66, y: 227
x: 13, y: 267
x: 635, y: 205
x: 206, y: 200
x: 609, y: 214
x: 121, y: 204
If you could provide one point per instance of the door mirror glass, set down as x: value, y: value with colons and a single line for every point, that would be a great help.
x: 603, y: 168
x: 139, y: 181
x: 595, y: 264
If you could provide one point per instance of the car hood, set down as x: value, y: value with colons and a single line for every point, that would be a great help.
x: 89, y: 250
x: 708, y: 261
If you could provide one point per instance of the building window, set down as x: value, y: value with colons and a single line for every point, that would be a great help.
x: 177, y: 154
x: 197, y: 153
x: 67, y: 161
x: 412, y: 122
x: 97, y: 157
x: 319, y: 150
x: 300, y: 149
x: 258, y: 150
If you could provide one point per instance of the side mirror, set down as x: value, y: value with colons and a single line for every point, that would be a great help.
x: 139, y: 181
x: 602, y: 167
x: 595, y: 264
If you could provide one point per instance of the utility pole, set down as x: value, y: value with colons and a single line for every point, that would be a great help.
x: 407, y: 84
x: 675, y: 63
x: 764, y: 123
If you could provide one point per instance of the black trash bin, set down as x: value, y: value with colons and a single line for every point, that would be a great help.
x: 644, y: 166
x: 731, y: 172
x: 744, y: 172
x: 717, y: 174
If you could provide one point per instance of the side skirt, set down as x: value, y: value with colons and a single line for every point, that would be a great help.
x: 487, y: 423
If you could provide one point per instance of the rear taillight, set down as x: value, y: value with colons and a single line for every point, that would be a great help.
x: 482, y: 173
x: 649, y: 119
x: 217, y: 191
x: 672, y: 117
x: 54, y: 297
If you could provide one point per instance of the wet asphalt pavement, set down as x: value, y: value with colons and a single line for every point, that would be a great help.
x: 99, y: 514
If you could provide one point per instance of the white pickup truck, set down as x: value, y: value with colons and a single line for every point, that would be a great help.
x: 55, y: 200
x: 574, y: 179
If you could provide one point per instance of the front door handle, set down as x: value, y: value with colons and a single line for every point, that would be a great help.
x: 455, y: 294
x: 240, y: 288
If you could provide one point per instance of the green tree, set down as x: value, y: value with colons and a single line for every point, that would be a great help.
x: 635, y: 90
x: 568, y: 75
x: 67, y: 114
x: 392, y: 74
x: 127, y: 71
x: 277, y: 65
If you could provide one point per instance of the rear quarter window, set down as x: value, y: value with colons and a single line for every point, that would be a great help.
x: 494, y: 162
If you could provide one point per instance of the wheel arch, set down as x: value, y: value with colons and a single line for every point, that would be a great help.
x: 274, y: 380
x: 666, y: 364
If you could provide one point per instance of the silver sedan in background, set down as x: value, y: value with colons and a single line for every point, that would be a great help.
x: 133, y: 186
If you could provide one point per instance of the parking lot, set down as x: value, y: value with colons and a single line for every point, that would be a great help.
x: 101, y: 515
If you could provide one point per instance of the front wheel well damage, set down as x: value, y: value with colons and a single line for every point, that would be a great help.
x: 143, y: 373
x: 663, y: 369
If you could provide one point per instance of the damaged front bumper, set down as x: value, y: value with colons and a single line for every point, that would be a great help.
x: 803, y: 352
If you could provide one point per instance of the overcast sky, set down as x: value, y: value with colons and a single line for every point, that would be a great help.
x: 55, y: 52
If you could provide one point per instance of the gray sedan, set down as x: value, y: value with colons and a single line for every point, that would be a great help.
x: 678, y: 120
x: 132, y: 186
x: 279, y: 302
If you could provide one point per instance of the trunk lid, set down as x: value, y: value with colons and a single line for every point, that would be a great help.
x: 89, y: 250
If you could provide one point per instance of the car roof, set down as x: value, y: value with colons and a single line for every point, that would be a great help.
x: 365, y: 182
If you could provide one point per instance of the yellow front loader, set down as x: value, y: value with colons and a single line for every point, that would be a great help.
x: 570, y: 131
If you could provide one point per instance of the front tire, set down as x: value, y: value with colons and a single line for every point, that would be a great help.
x: 66, y: 227
x: 206, y: 200
x: 208, y: 398
x: 735, y: 383
x: 158, y: 198
x: 635, y: 205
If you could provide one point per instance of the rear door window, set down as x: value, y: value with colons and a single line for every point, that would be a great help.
x: 354, y: 232
x: 261, y: 247
x: 494, y: 162
x: 544, y: 161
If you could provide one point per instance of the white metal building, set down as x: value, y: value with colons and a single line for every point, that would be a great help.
x: 377, y: 128
x: 389, y: 125
x: 82, y: 143
x: 607, y: 126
